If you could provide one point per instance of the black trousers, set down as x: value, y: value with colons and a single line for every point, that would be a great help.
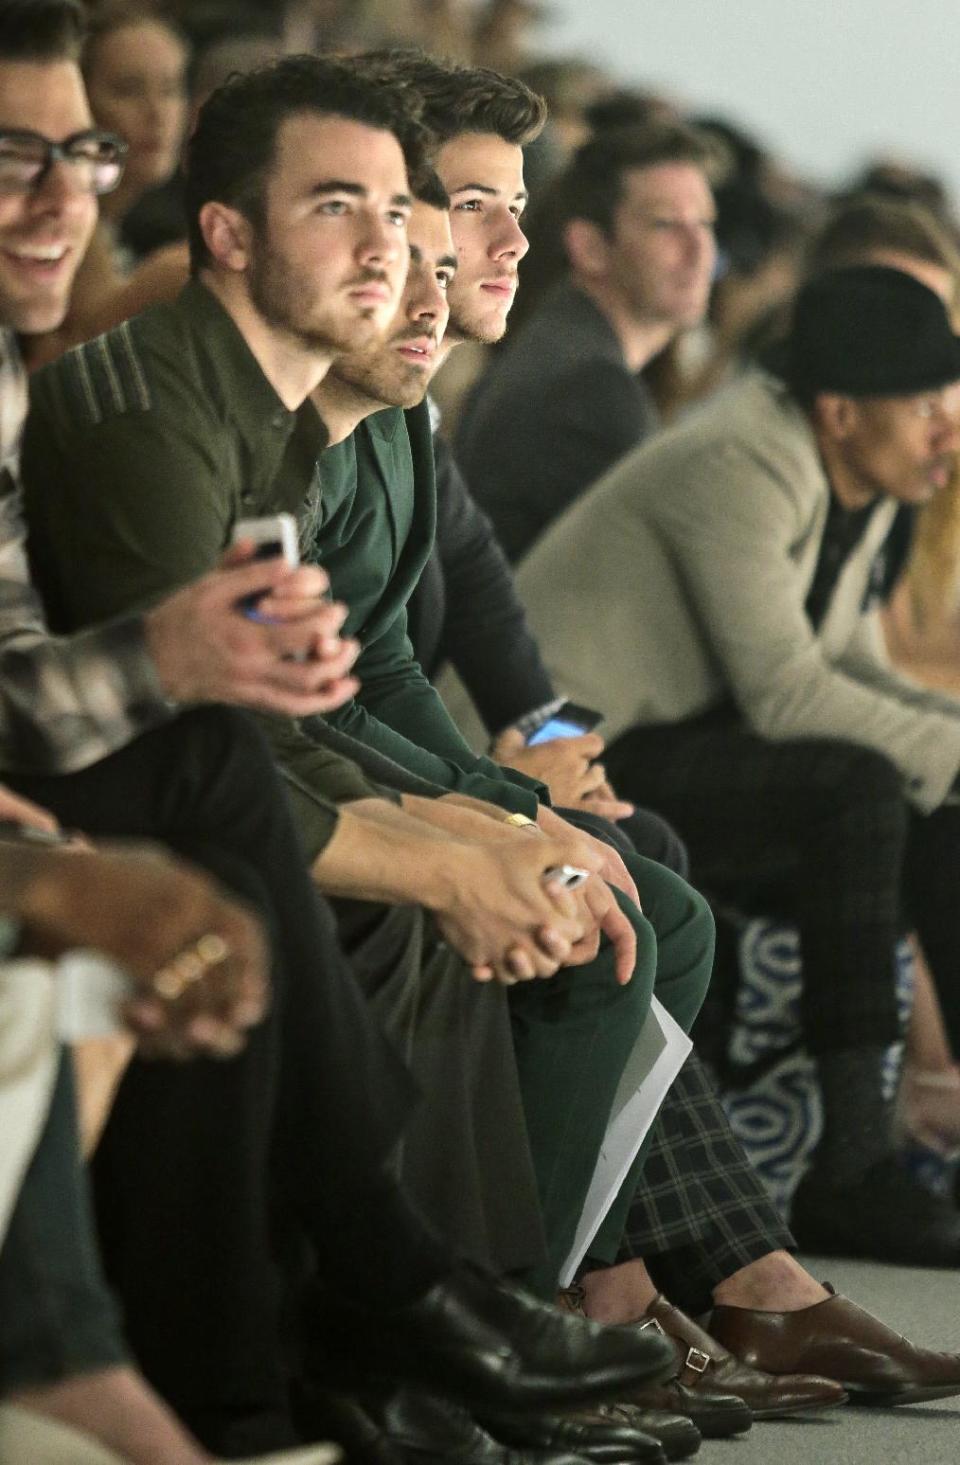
x: 465, y: 1156
x: 317, y: 1101
x: 817, y: 831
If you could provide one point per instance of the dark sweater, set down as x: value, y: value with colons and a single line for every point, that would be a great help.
x: 556, y: 409
x: 466, y: 609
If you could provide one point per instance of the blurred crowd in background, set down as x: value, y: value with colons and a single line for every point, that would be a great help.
x: 151, y: 63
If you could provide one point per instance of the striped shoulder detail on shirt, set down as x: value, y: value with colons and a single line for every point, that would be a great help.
x: 105, y: 377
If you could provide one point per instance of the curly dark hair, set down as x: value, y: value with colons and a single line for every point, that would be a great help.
x: 41, y: 30
x: 455, y: 99
x: 229, y: 155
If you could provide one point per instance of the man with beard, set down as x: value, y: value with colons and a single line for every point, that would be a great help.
x: 200, y: 1296
x: 142, y: 451
x: 734, y: 1254
x: 208, y: 412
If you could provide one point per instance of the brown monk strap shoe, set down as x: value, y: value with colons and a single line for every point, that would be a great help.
x: 703, y: 1360
x: 840, y: 1340
x: 717, y: 1416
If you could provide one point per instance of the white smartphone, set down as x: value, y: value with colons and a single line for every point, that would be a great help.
x: 274, y: 536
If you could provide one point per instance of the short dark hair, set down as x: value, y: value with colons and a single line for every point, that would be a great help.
x: 874, y: 221
x: 591, y: 185
x: 41, y: 30
x: 455, y: 99
x: 229, y: 155
x: 427, y: 188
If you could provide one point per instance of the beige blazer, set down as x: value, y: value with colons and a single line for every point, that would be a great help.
x: 680, y: 579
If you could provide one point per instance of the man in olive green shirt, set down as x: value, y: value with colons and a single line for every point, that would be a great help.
x: 142, y: 450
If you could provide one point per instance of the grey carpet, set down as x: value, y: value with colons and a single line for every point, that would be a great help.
x: 924, y: 1305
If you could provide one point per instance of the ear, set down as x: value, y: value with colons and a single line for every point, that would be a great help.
x: 836, y: 415
x: 227, y: 235
x: 587, y: 247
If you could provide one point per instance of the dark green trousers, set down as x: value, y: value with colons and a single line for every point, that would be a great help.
x: 573, y: 1036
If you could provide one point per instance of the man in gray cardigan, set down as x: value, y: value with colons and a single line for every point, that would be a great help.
x: 712, y: 593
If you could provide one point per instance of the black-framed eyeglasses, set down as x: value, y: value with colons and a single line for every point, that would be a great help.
x: 27, y: 157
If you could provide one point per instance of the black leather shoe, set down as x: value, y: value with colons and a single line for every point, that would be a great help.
x: 422, y: 1429
x: 677, y: 1434
x: 886, y: 1216
x: 342, y: 1418
x: 716, y: 1416
x: 592, y: 1433
x: 487, y: 1344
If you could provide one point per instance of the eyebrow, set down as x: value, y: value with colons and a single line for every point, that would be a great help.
x: 446, y: 261
x: 490, y: 192
x: 357, y: 190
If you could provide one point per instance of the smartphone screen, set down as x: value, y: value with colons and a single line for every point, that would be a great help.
x: 556, y: 727
x: 569, y: 720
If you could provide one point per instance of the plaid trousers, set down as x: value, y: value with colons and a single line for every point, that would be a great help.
x: 819, y: 832
x: 701, y: 1211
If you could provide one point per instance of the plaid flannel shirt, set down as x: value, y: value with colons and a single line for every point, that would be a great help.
x: 65, y: 702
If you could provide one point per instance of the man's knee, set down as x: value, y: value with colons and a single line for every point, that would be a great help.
x: 868, y: 777
x: 657, y: 840
x: 223, y: 731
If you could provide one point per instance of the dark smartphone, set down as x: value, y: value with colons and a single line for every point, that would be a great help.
x: 569, y: 720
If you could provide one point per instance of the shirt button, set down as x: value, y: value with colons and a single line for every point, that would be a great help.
x: 280, y: 419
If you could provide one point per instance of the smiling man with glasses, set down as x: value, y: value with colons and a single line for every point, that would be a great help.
x: 50, y: 175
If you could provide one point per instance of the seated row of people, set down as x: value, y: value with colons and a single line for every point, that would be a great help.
x: 422, y: 891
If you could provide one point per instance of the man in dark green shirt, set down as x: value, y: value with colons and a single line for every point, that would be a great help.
x: 378, y: 490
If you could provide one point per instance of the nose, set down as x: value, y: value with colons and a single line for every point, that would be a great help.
x: 946, y: 430
x: 61, y: 191
x: 698, y: 243
x: 509, y: 242
x: 380, y: 240
x: 427, y: 302
x: 156, y: 107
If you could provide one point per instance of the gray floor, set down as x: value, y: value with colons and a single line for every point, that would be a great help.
x: 923, y: 1305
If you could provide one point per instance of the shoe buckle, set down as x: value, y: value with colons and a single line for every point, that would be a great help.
x: 697, y: 1361
x: 653, y: 1323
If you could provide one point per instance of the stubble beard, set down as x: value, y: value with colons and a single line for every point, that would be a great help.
x: 483, y: 330
x: 393, y: 384
x: 279, y: 295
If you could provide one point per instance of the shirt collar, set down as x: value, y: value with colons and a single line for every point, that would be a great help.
x: 247, y: 396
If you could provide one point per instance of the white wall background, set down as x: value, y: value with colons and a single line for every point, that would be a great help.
x: 825, y: 82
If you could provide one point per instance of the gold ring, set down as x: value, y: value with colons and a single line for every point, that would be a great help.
x: 189, y: 965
